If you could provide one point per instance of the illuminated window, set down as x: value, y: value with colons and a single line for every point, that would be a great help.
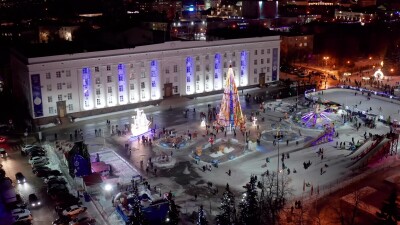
x: 188, y: 79
x: 109, y: 79
x: 69, y: 96
x: 175, y: 89
x: 216, y: 75
x: 49, y: 87
x: 48, y: 76
x: 59, y: 97
x: 120, y: 66
x: 50, y: 99
x: 51, y: 110
x: 120, y: 77
x: 305, y: 44
x: 70, y: 107
x: 58, y: 74
x: 59, y: 86
x: 143, y: 74
x: 153, y: 83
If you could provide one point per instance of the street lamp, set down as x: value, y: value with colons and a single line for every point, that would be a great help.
x: 277, y: 137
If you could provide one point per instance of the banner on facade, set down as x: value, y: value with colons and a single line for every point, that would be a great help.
x: 37, y: 95
x: 275, y: 64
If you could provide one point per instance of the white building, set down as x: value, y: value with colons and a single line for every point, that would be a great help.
x: 65, y: 84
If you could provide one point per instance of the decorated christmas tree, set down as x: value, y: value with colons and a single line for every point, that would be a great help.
x: 173, y: 211
x: 227, y: 209
x: 201, y: 220
x: 230, y: 114
x: 137, y: 217
x: 249, y: 207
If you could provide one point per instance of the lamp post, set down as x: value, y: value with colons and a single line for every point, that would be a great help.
x: 326, y: 58
x: 277, y: 137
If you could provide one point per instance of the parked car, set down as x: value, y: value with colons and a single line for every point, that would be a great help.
x: 56, y: 189
x: 33, y: 200
x: 36, y: 168
x: 37, y: 159
x: 40, y: 163
x: 82, y: 220
x: 47, y: 172
x: 37, y: 153
x: 54, y: 178
x: 21, y: 215
x: 3, y: 153
x: 20, y: 178
x: 2, y: 139
x: 27, y: 148
x: 74, y: 210
x: 65, y: 201
x: 62, y: 220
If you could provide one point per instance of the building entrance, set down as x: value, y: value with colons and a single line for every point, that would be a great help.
x: 61, y: 109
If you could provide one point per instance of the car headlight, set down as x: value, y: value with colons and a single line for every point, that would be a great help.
x: 24, y: 180
x: 33, y: 204
x: 19, y: 181
x: 38, y: 203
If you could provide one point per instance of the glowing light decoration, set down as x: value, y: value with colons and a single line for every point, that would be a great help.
x: 243, y: 68
x: 154, y: 74
x: 122, y: 96
x: 140, y: 123
x: 230, y: 114
x: 87, y: 89
x: 203, y: 123
x: 217, y: 72
x: 317, y: 118
x: 189, y: 76
x: 379, y: 74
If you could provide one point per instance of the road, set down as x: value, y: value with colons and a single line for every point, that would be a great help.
x: 14, y: 163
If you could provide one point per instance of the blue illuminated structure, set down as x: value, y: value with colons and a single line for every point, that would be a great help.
x: 154, y: 79
x: 87, y: 88
x: 217, y: 71
x: 189, y: 75
x: 122, y: 99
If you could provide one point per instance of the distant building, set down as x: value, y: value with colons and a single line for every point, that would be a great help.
x: 259, y: 9
x: 49, y: 33
x: 296, y: 47
x: 96, y: 82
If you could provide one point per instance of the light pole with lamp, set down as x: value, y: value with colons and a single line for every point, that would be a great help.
x: 277, y: 138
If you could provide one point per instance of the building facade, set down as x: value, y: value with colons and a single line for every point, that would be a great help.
x: 65, y: 84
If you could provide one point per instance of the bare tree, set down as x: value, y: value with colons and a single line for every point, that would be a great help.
x: 274, y: 193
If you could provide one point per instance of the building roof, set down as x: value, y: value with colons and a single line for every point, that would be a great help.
x: 166, y: 46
